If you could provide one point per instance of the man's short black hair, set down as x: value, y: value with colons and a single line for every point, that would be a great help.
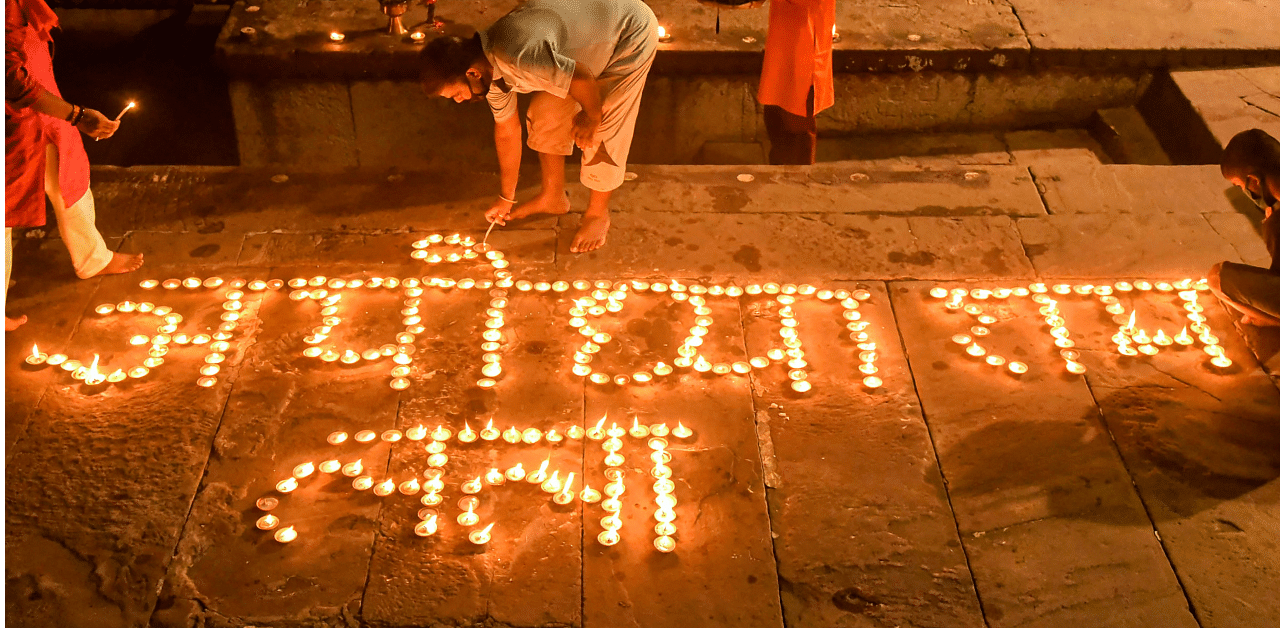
x: 447, y: 59
x: 1251, y: 152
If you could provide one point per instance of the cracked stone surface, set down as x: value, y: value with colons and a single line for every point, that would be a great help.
x: 1231, y: 101
x: 1142, y: 493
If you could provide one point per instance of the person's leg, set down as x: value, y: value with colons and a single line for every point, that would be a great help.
x: 604, y: 168
x: 793, y: 139
x: 550, y: 125
x: 1230, y: 292
x: 90, y: 255
x: 10, y: 324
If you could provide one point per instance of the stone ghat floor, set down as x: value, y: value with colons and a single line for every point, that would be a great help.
x: 1141, y: 493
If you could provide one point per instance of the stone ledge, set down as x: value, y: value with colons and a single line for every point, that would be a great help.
x: 292, y: 41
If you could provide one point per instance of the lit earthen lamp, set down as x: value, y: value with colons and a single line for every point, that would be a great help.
x: 394, y: 9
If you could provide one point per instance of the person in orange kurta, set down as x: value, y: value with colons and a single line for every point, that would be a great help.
x: 44, y: 156
x: 797, y: 80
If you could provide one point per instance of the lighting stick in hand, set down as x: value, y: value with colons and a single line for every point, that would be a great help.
x: 126, y: 109
x: 484, y: 244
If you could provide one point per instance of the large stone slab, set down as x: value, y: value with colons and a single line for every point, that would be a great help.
x: 722, y: 570
x: 847, y: 188
x: 1029, y: 458
x: 1235, y: 100
x: 855, y: 470
x: 530, y: 574
x: 1053, y: 572
x: 1244, y: 232
x: 283, y: 408
x: 272, y: 121
x: 212, y: 200
x: 799, y: 248
x: 1201, y: 443
x: 1124, y: 245
x: 108, y: 472
x: 47, y: 291
x: 1188, y: 33
x: 1071, y: 187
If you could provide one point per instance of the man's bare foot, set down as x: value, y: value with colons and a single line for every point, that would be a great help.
x: 591, y: 233
x: 122, y: 263
x: 11, y: 324
x: 544, y: 203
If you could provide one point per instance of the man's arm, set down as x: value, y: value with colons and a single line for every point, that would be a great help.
x: 584, y: 89
x: 508, y: 139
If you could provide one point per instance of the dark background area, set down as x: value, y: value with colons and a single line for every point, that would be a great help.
x: 164, y: 60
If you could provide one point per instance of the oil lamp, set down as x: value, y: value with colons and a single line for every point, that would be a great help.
x: 36, y: 358
x: 489, y: 432
x: 286, y: 535
x: 385, y: 488
x: 267, y: 522
x: 287, y: 485
x: 303, y: 470
x: 468, y: 517
x: 427, y: 527
x: 539, y: 476
x: 516, y: 473
x: 352, y: 469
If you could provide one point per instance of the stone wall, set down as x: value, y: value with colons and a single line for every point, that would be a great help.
x: 327, y: 125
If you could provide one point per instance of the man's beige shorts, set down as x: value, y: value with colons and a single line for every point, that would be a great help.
x: 550, y: 127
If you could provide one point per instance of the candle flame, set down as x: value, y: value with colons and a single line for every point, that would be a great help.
x: 93, y: 368
x: 471, y: 506
x: 542, y: 468
x: 465, y: 425
x: 486, y: 530
x: 600, y: 425
x: 662, y: 31
x: 35, y: 350
x: 635, y: 422
x: 567, y: 483
x: 490, y: 425
x: 1133, y: 319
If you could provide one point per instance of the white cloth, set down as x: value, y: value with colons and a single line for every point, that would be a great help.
x: 550, y: 122
x: 89, y: 252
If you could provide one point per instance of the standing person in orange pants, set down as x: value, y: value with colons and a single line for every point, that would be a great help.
x: 796, y: 82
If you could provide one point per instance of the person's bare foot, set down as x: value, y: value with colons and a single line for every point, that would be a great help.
x: 11, y: 324
x: 554, y: 203
x: 122, y: 263
x: 591, y: 233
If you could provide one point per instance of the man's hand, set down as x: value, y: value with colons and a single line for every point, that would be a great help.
x: 498, y: 212
x: 96, y: 125
x: 585, y: 126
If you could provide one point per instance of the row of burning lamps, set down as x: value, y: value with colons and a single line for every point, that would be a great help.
x: 167, y: 335
x: 1129, y: 340
x: 561, y: 490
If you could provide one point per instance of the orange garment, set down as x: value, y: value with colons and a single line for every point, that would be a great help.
x: 797, y: 55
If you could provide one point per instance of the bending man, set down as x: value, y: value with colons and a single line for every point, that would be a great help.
x: 585, y: 62
x: 1251, y: 161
